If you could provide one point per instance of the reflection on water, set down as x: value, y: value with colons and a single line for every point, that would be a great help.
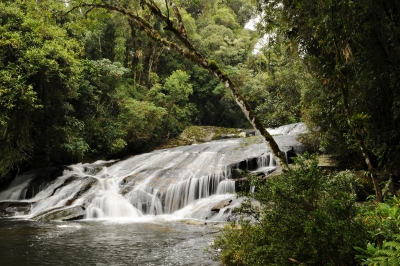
x: 156, y: 242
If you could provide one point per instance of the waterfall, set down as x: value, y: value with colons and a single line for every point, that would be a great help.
x: 195, y: 181
x: 107, y: 202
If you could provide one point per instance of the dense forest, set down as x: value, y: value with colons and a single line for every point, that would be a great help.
x: 99, y: 79
x: 88, y: 84
x: 83, y: 85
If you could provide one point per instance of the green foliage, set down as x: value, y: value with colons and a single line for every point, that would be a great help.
x: 383, y: 223
x: 351, y: 48
x: 304, y: 216
x: 88, y: 85
x: 382, y: 219
x: 39, y: 76
x: 225, y: 16
x: 141, y: 120
x: 389, y: 254
x: 275, y: 93
x: 174, y: 98
x: 97, y: 107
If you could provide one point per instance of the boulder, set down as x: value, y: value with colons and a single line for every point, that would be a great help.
x: 220, y: 205
x: 90, y: 182
x: 328, y: 162
x: 43, y: 177
x: 62, y: 213
x: 12, y: 208
x: 200, y: 134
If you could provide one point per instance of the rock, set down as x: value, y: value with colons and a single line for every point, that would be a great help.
x: 144, y: 201
x: 11, y: 208
x: 200, y: 134
x: 229, y: 136
x: 88, y: 185
x: 192, y: 222
x: 62, y: 213
x: 236, y: 174
x: 249, y: 164
x: 43, y: 177
x: 221, y: 205
x: 242, y: 134
x: 250, y: 132
x: 328, y: 162
x: 65, y: 183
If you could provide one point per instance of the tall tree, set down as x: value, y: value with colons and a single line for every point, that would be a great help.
x: 352, y: 47
x: 39, y: 77
x: 169, y: 15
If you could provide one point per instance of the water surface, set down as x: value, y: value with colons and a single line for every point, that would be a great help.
x: 108, y: 242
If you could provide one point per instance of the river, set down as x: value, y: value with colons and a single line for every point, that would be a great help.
x: 147, y: 241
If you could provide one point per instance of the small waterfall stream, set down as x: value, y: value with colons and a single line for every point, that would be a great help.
x: 196, y: 181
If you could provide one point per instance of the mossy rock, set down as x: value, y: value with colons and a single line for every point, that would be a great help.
x: 200, y: 134
x: 328, y: 162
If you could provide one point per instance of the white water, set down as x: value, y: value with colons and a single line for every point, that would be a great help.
x: 185, y: 182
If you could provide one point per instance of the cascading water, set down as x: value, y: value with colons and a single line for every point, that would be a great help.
x: 195, y: 181
x: 107, y: 202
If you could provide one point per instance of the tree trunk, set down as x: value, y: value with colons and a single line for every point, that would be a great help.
x: 344, y: 88
x: 361, y: 145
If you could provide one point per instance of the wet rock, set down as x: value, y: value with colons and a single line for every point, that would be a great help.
x: 242, y: 134
x: 43, y: 177
x: 90, y: 182
x: 126, y: 190
x: 236, y: 174
x: 65, y: 183
x: 229, y: 136
x: 242, y: 184
x: 192, y: 222
x: 266, y: 172
x: 249, y: 164
x: 11, y: 208
x: 94, y: 168
x: 221, y: 205
x: 62, y: 213
x: 144, y: 200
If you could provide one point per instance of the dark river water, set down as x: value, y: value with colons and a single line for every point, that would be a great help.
x: 112, y: 242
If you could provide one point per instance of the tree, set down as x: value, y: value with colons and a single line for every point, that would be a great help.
x: 352, y: 48
x: 138, y: 13
x: 174, y: 98
x: 39, y: 77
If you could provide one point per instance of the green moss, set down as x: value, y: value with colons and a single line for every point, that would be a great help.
x: 212, y: 64
x: 250, y: 140
x: 200, y: 134
x: 214, y: 67
x: 206, y: 133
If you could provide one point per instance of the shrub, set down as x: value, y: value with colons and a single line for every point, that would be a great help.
x: 304, y: 217
x: 382, y: 221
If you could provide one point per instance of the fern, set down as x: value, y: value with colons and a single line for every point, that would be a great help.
x: 393, y: 244
x: 388, y: 254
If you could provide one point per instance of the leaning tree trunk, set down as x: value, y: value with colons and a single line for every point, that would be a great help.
x: 185, y: 48
x: 361, y: 145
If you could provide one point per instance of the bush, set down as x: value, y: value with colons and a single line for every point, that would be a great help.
x: 304, y: 217
x: 382, y: 221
